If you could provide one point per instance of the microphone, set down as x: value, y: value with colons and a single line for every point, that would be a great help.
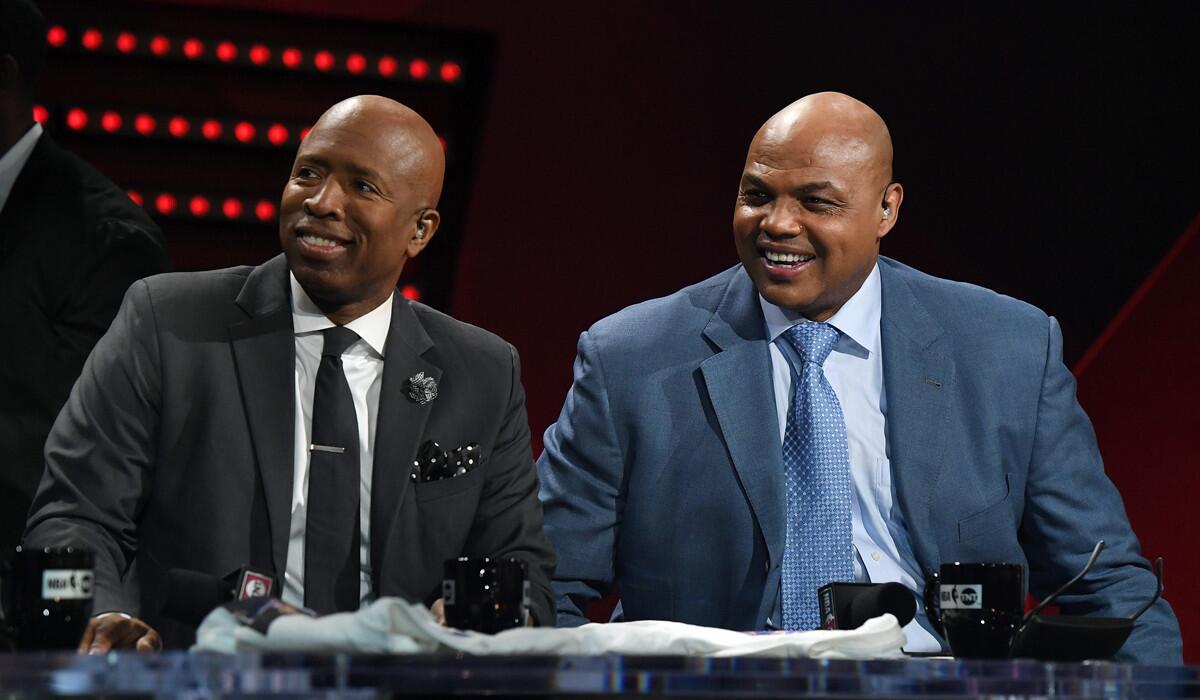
x: 191, y: 595
x: 1069, y: 638
x: 846, y: 606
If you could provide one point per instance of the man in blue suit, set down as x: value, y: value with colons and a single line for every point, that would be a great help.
x: 719, y: 465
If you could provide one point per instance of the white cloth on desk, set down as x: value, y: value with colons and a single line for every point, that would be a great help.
x: 393, y: 626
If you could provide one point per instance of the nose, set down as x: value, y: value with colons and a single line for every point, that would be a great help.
x: 784, y: 218
x: 326, y: 202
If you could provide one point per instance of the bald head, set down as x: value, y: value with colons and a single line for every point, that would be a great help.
x: 360, y: 202
x: 412, y: 147
x: 834, y: 128
x: 815, y: 200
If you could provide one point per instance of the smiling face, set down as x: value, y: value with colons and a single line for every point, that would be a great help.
x: 810, y: 208
x: 365, y: 179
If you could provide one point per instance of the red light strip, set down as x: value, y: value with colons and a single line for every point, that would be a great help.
x: 254, y: 54
x: 179, y: 127
x: 205, y: 206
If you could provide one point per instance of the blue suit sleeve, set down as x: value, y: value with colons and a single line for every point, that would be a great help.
x: 582, y: 477
x: 1070, y: 504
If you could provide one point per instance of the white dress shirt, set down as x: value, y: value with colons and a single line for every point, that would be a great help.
x: 363, y: 365
x: 14, y: 160
x: 855, y: 371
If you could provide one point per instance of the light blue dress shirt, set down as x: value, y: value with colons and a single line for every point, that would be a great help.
x: 855, y: 370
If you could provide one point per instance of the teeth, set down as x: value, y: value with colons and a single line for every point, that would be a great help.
x: 319, y: 241
x: 787, y: 258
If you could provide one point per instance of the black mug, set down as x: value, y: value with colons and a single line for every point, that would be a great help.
x: 484, y: 594
x: 46, y: 596
x: 976, y: 607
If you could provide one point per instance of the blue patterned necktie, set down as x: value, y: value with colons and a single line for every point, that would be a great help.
x: 819, y: 547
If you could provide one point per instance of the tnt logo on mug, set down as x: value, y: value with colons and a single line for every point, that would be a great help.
x: 961, y: 596
x: 67, y: 584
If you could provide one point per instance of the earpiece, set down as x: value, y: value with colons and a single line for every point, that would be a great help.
x: 420, y: 231
x: 887, y: 212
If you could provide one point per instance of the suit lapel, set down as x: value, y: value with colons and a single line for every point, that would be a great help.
x: 400, y: 424
x: 264, y: 352
x: 738, y: 379
x: 918, y: 374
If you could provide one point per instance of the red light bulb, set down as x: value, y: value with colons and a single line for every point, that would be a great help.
x: 135, y: 196
x: 40, y: 114
x: 160, y: 45
x: 277, y: 134
x: 193, y: 48
x: 291, y: 57
x: 145, y: 124
x: 244, y: 131
x: 56, y: 35
x: 418, y: 68
x: 226, y: 51
x: 231, y: 208
x: 92, y: 39
x: 387, y: 66
x: 259, y: 54
x: 264, y: 210
x: 451, y: 71
x: 355, y: 63
x: 211, y: 129
x: 110, y: 121
x: 126, y: 42
x: 165, y: 203
x: 323, y: 60
x: 411, y: 291
x: 178, y: 126
x: 77, y: 119
x: 199, y: 206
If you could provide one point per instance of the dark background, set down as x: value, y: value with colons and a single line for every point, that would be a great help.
x: 1048, y: 151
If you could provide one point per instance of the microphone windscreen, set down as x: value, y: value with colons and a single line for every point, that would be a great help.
x: 191, y: 595
x: 883, y: 598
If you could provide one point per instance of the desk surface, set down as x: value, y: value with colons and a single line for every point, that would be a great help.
x: 198, y: 676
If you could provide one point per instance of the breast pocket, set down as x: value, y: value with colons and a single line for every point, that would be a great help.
x: 444, y: 488
x: 998, y: 515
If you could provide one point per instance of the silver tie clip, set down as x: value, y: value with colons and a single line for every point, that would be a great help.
x: 326, y: 448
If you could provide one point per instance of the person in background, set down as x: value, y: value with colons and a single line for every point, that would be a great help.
x: 71, y: 243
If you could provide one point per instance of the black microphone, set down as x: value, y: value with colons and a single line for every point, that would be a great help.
x: 191, y: 595
x: 846, y: 606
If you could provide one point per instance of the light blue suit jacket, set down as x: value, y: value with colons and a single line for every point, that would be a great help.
x: 664, y: 472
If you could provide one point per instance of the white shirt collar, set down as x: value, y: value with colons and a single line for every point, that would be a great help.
x: 858, y: 319
x: 14, y: 160
x: 372, y: 327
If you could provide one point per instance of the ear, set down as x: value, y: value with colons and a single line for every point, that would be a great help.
x: 889, y: 208
x: 426, y: 226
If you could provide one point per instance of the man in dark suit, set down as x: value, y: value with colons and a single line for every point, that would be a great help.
x: 930, y: 421
x: 71, y: 243
x: 191, y: 440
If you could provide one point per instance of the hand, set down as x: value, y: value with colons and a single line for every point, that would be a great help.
x: 439, y: 611
x: 115, y: 630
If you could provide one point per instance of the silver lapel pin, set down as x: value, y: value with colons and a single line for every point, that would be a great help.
x: 422, y: 389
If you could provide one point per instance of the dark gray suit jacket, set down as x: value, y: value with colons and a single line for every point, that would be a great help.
x: 71, y: 243
x: 175, y: 448
x: 665, y: 472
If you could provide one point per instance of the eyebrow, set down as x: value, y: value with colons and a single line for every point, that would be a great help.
x: 807, y: 188
x: 354, y: 169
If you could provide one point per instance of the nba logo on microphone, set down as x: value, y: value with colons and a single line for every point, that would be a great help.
x: 254, y: 585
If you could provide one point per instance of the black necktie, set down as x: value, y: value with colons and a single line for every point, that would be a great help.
x: 331, y: 541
